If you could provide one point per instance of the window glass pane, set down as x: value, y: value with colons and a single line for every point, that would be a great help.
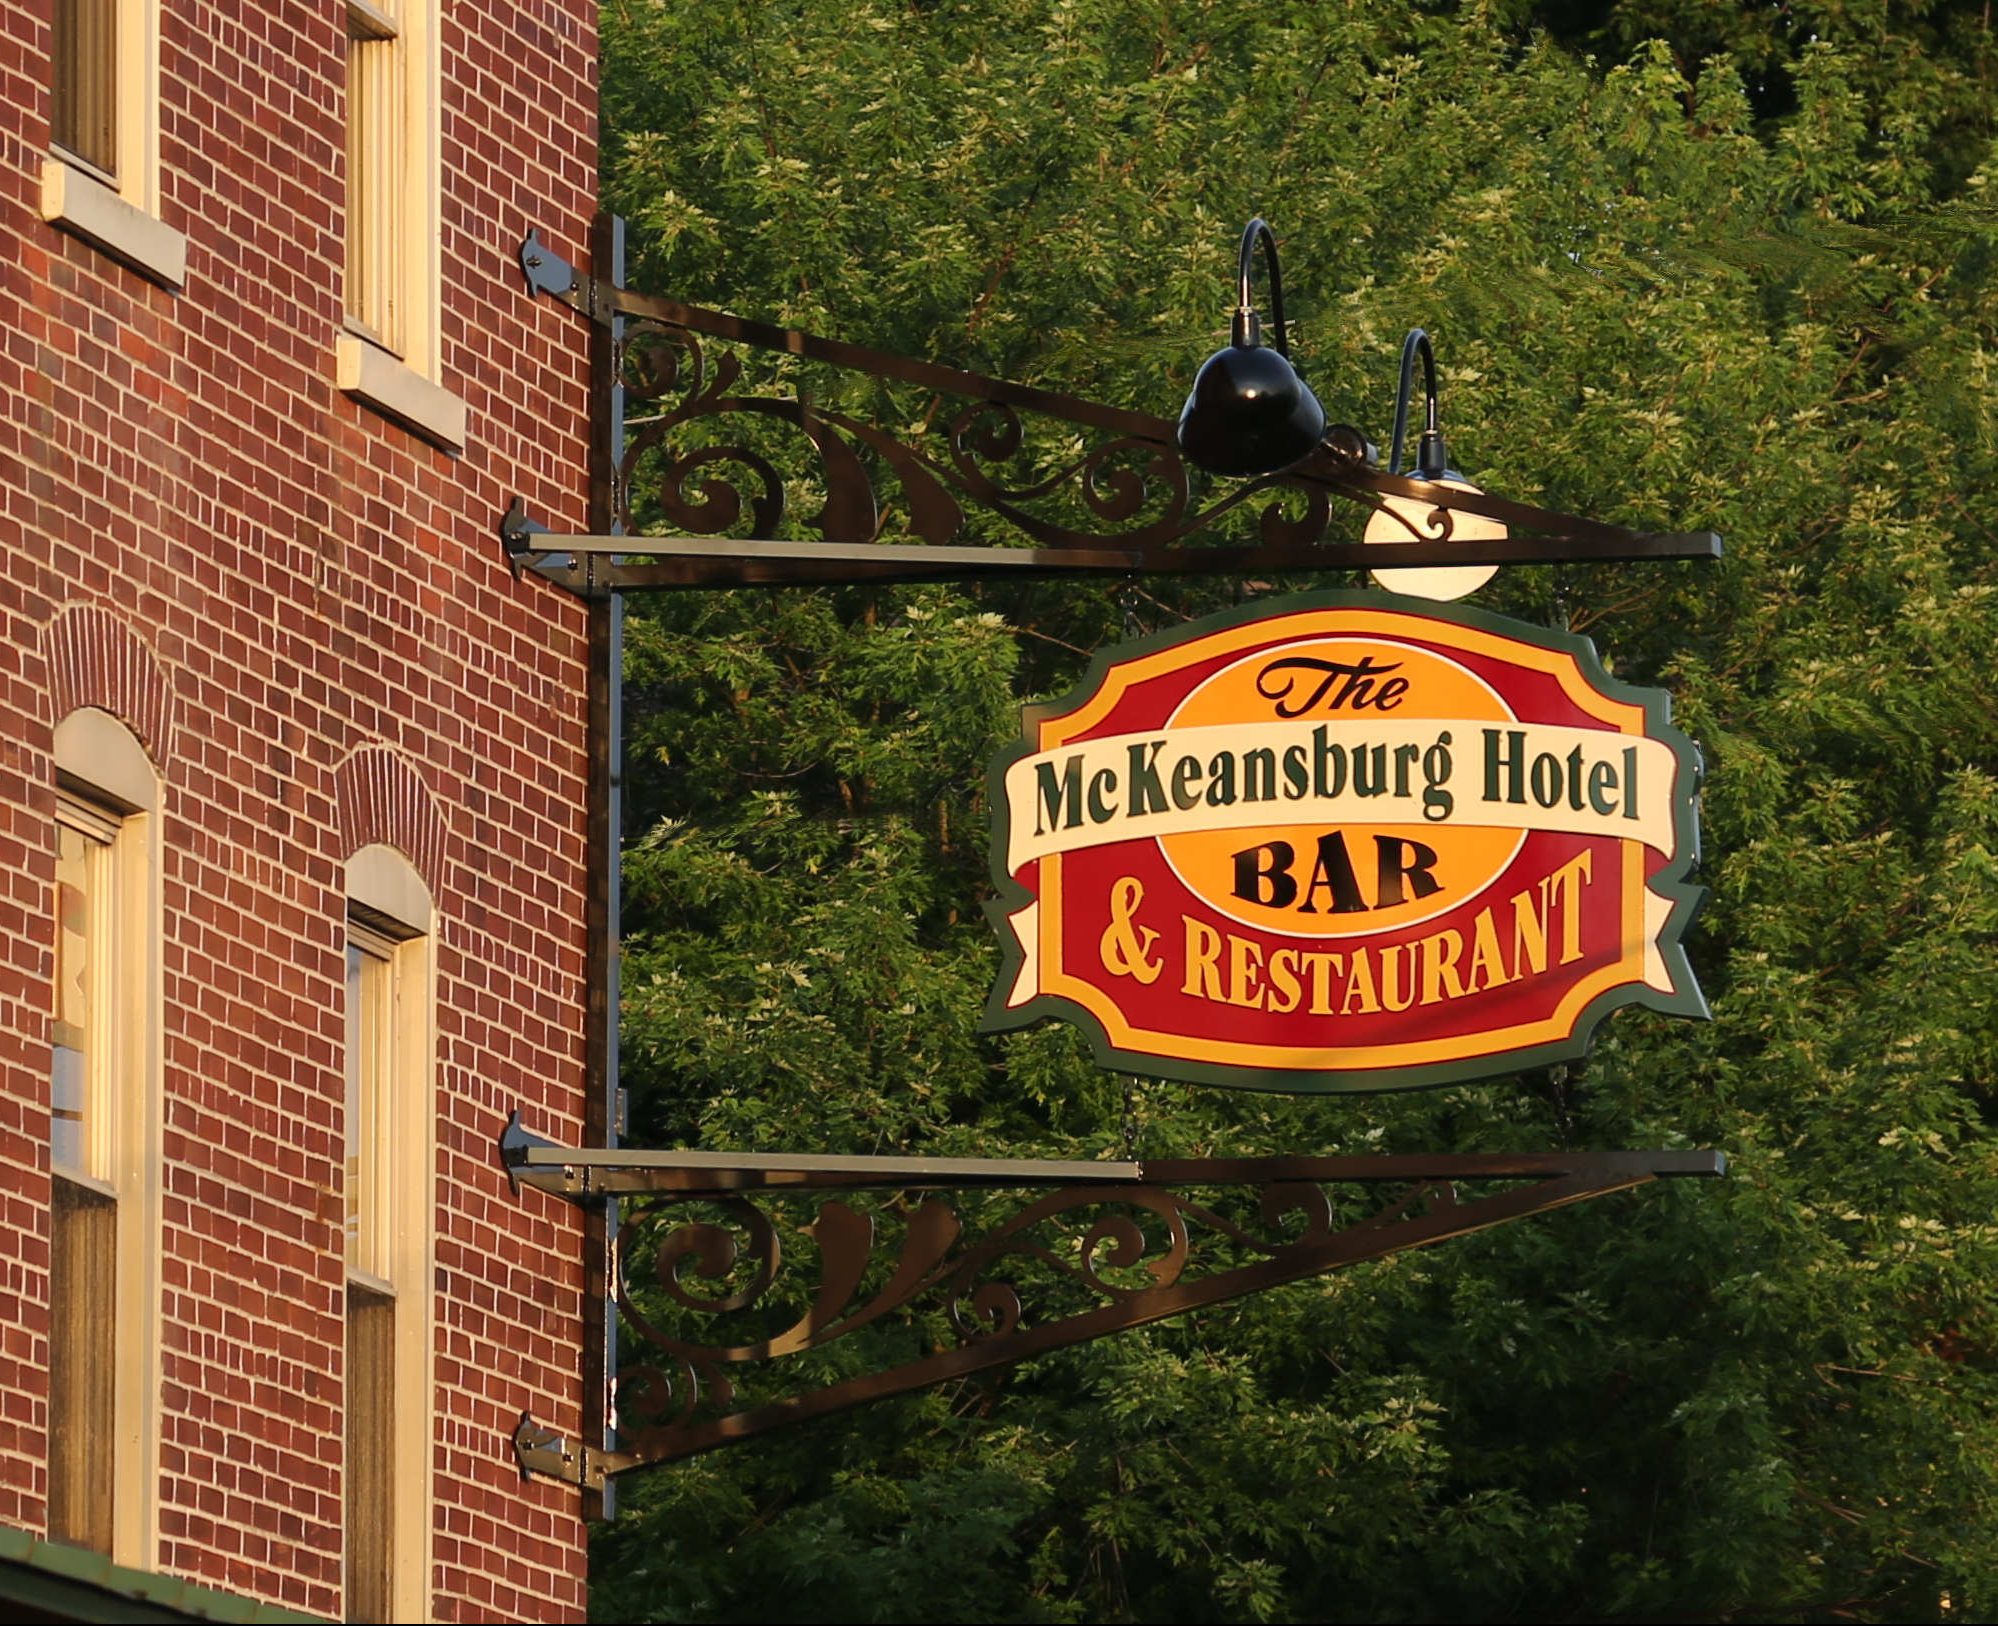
x: 66, y: 1150
x: 376, y: 261
x: 371, y: 1018
x: 355, y: 1071
x: 85, y: 87
x: 82, y: 960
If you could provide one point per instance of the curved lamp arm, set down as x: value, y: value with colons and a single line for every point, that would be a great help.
x: 1430, y: 459
x: 1247, y: 329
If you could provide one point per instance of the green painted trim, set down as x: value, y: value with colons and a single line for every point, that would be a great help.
x: 1671, y: 882
x: 61, y: 1582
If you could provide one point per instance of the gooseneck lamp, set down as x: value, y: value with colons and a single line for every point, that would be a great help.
x: 1409, y: 519
x: 1431, y: 459
x: 1248, y: 412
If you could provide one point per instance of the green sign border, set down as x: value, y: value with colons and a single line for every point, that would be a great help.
x: 1672, y: 882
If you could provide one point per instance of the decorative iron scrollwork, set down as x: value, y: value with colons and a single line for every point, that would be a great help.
x: 1126, y: 490
x: 1074, y: 487
x: 956, y: 1276
x: 1071, y: 1264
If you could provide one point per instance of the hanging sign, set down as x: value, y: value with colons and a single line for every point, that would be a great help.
x: 1344, y: 842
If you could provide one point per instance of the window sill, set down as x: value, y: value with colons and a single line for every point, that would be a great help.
x: 78, y: 203
x: 375, y: 377
x: 85, y: 1189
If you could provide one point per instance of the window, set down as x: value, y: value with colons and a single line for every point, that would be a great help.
x: 389, y: 355
x: 389, y: 1206
x: 377, y: 174
x: 372, y: 1021
x: 104, y: 1145
x: 84, y: 1196
x: 102, y: 178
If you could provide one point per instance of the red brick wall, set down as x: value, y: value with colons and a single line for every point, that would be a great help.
x: 302, y: 611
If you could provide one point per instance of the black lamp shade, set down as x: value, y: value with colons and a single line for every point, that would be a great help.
x: 1249, y: 413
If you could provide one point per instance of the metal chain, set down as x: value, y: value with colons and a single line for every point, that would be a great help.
x: 1130, y: 1118
x: 1563, y: 610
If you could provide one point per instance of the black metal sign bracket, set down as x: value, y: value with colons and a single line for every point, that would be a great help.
x: 1095, y: 1248
x: 1090, y: 489
x: 1076, y: 488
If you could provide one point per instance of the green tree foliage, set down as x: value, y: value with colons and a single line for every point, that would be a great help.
x: 1926, y: 61
x: 1663, y: 293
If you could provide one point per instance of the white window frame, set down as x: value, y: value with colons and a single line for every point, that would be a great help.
x: 395, y: 363
x: 107, y: 784
x: 392, y: 917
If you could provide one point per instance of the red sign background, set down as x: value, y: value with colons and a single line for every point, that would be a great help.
x: 1310, y: 952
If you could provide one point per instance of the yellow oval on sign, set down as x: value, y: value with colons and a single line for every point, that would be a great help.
x: 1311, y: 880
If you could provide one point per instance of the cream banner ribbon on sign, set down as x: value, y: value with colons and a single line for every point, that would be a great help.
x: 1440, y: 772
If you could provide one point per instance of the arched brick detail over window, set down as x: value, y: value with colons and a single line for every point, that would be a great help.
x: 380, y: 797
x: 95, y: 659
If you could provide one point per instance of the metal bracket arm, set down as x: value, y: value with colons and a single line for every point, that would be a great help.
x: 1090, y: 1248
x: 1096, y: 1248
x: 548, y: 273
x: 1100, y: 490
x: 581, y: 1174
x: 660, y: 562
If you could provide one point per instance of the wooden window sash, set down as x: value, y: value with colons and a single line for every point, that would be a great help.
x: 368, y: 1490
x: 83, y: 1203
x: 372, y: 19
x: 386, y: 1491
x: 83, y: 1292
x: 84, y: 110
x: 87, y: 966
x: 378, y: 263
x: 374, y: 1020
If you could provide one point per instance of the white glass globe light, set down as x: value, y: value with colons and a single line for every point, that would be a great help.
x: 1422, y: 525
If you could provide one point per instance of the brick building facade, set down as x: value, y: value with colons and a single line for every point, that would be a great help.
x: 254, y: 624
